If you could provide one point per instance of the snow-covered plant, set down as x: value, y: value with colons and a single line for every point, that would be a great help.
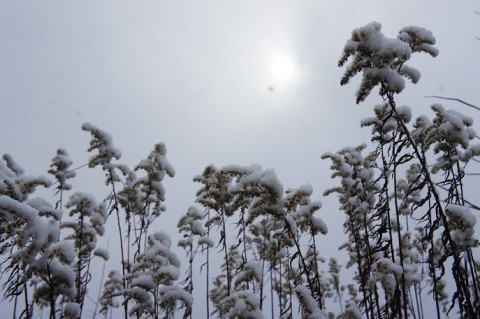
x: 390, y: 133
x: 250, y: 274
x: 449, y: 137
x: 462, y: 223
x: 60, y: 170
x: 170, y: 296
x: 56, y: 285
x: 242, y: 304
x: 358, y: 197
x: 102, y: 143
x: 351, y: 312
x: 205, y: 198
x: 271, y: 255
x: 15, y: 184
x: 272, y: 227
x: 300, y: 220
x: 215, y: 196
x: 387, y: 273
x: 72, y: 310
x: 47, y: 261
x: 222, y: 193
x: 293, y: 213
x: 105, y: 153
x: 149, y: 192
x: 381, y: 61
x: 299, y: 205
x: 141, y: 197
x: 112, y: 289
x: 157, y: 267
x: 28, y: 227
x: 220, y: 292
x: 190, y: 225
x: 310, y: 306
x: 86, y: 226
x: 244, y: 301
x: 337, y: 288
x: 217, y: 294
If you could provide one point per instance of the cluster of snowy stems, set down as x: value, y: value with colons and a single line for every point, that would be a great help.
x: 146, y: 287
x: 405, y: 232
x: 268, y: 240
x: 48, y: 256
x: 408, y: 223
x: 271, y: 249
x: 45, y: 264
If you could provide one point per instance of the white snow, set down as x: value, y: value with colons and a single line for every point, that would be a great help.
x: 386, y: 272
x: 410, y: 72
x: 453, y: 126
x: 310, y: 305
x: 83, y: 202
x: 65, y: 249
x: 462, y: 222
x: 419, y: 39
x: 13, y: 165
x: 45, y: 208
x: 71, y: 310
x: 37, y: 232
x: 352, y: 311
x: 318, y: 225
x: 381, y: 60
x: 61, y: 163
x: 405, y: 113
x: 101, y: 141
x: 472, y: 151
x: 174, y: 292
x: 143, y: 281
x: 243, y: 304
x: 102, y: 253
x: 205, y: 240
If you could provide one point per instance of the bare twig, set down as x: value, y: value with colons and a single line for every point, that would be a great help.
x: 453, y: 99
x: 470, y: 204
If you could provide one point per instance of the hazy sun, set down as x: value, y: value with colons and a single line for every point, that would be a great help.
x: 282, y: 67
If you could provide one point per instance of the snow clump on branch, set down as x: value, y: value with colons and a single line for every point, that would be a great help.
x: 381, y: 60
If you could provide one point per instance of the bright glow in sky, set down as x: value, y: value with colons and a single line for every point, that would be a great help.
x: 282, y: 67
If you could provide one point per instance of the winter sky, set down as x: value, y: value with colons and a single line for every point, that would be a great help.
x: 199, y: 76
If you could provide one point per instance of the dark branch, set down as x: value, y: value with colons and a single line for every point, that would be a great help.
x: 453, y: 99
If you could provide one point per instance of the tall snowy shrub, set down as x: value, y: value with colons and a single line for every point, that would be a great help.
x: 420, y: 199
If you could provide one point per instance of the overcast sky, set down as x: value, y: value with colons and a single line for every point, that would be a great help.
x: 197, y: 75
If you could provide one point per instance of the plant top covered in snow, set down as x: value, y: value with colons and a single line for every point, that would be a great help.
x: 381, y: 60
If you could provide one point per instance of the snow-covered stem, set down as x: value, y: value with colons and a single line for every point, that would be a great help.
x: 334, y: 271
x: 223, y: 241
x: 357, y: 195
x: 459, y: 276
x: 306, y: 270
x: 381, y: 61
x: 60, y: 170
x: 206, y: 248
x: 115, y: 208
x: 102, y: 142
x: 191, y: 226
x: 99, y: 295
x: 399, y: 238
